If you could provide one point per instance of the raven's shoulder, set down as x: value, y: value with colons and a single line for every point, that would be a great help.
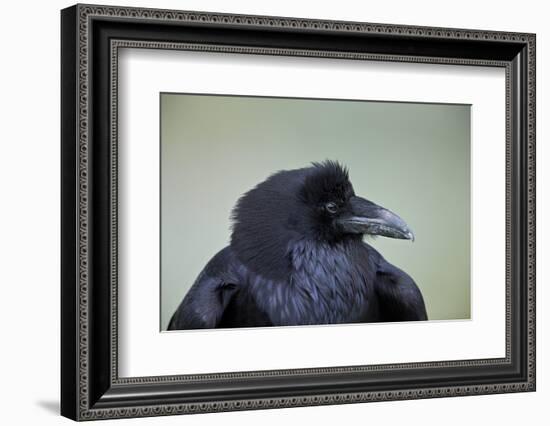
x: 224, y: 265
x: 399, y: 296
x: 225, y: 271
x: 204, y: 304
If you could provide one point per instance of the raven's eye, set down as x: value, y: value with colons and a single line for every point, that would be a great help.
x: 331, y: 207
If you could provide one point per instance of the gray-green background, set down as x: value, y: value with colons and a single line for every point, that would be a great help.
x: 411, y: 158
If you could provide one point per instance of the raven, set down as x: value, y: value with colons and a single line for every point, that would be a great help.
x: 297, y: 257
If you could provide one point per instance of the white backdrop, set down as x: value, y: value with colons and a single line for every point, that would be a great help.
x: 29, y: 229
x: 143, y: 351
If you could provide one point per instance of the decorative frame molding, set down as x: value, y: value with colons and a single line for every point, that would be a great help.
x: 91, y: 37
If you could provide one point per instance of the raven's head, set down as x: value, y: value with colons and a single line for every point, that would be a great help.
x: 317, y: 203
x: 338, y: 213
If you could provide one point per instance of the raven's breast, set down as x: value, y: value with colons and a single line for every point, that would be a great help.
x: 328, y: 284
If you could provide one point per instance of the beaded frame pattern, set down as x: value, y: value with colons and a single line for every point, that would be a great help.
x: 87, y: 12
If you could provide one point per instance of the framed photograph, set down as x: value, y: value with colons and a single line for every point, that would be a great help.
x: 263, y: 212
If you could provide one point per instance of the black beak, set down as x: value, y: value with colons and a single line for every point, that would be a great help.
x: 368, y: 218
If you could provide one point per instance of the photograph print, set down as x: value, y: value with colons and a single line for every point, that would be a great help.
x: 312, y: 212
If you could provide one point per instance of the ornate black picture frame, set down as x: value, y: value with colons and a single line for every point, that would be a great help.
x: 90, y: 38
